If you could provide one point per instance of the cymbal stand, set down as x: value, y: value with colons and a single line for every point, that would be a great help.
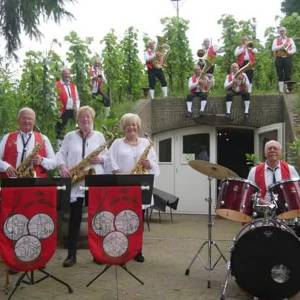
x: 209, y: 243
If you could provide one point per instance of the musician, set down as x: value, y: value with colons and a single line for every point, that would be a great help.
x: 16, y: 146
x: 210, y: 53
x: 283, y: 48
x: 96, y: 83
x: 245, y: 53
x: 68, y: 100
x: 237, y: 83
x: 154, y: 72
x: 75, y: 147
x: 199, y: 86
x: 272, y: 170
x: 125, y: 152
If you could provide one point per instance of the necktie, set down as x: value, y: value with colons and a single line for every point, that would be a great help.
x: 83, y: 147
x: 25, y: 143
x: 273, y: 172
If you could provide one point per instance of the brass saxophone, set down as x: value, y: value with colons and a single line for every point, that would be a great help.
x: 83, y: 168
x: 162, y: 52
x: 25, y: 169
x: 139, y: 168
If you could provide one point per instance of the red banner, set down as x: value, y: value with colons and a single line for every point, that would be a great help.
x: 115, y: 223
x: 28, y: 230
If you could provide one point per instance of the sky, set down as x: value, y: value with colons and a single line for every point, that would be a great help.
x: 95, y: 18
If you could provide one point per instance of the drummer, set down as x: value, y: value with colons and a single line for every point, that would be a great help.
x: 271, y: 171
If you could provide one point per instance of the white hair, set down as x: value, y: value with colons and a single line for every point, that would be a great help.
x: 23, y: 109
x: 270, y: 143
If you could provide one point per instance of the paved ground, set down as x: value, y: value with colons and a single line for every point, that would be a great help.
x: 168, y: 249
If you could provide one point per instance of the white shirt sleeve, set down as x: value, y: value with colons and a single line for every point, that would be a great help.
x: 227, y: 83
x: 238, y: 51
x: 251, y: 175
x: 49, y: 162
x: 192, y: 84
x: 149, y: 56
x: 292, y: 49
x: 3, y: 164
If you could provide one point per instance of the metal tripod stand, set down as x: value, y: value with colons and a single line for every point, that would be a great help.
x: 210, y: 266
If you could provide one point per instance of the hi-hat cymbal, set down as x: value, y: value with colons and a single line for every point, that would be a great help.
x: 212, y: 170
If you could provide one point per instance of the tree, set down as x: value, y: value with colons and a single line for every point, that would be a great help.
x: 16, y: 15
x: 290, y: 6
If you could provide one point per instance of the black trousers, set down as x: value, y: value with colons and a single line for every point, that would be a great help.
x: 60, y: 126
x: 154, y: 74
x: 230, y: 94
x: 249, y: 73
x: 201, y: 95
x: 74, y: 225
x: 284, y: 68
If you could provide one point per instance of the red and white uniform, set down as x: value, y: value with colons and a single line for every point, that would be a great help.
x: 204, y: 86
x: 67, y: 95
x: 285, y: 42
x: 243, y: 53
x: 149, y: 55
x: 239, y: 85
x: 97, y: 78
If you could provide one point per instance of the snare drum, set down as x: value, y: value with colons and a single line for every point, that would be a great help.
x: 235, y: 200
x: 265, y: 259
x: 287, y: 196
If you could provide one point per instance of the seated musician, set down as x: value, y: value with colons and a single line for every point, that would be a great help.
x: 245, y: 53
x: 271, y: 171
x: 199, y: 86
x: 133, y: 154
x: 237, y: 83
x: 75, y: 147
x: 17, y: 147
x: 283, y: 48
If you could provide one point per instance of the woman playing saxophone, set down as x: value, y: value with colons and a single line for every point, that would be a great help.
x: 132, y: 152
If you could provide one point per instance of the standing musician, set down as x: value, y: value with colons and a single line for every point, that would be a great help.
x: 199, y: 86
x: 68, y: 100
x: 155, y: 71
x: 245, y: 53
x: 283, y: 48
x: 16, y: 148
x: 75, y: 147
x: 237, y: 83
x: 96, y: 83
x: 272, y: 170
x: 125, y: 153
x: 210, y: 53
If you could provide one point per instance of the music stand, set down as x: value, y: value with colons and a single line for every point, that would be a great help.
x: 209, y: 242
x: 61, y: 184
x: 145, y: 181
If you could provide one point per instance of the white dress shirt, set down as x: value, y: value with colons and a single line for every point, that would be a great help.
x: 291, y: 50
x: 48, y: 162
x: 70, y: 100
x: 237, y: 88
x: 70, y: 154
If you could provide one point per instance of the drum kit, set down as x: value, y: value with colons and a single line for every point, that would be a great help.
x: 265, y: 255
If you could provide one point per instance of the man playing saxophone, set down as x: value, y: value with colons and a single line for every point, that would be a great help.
x: 76, y: 146
x: 125, y: 153
x: 283, y: 48
x: 17, y: 149
x: 199, y: 85
x: 237, y: 83
x: 155, y: 70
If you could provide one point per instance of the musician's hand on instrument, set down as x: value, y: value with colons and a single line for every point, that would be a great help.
x: 11, y: 172
x: 97, y: 160
x: 63, y: 171
x: 36, y: 161
x: 146, y: 163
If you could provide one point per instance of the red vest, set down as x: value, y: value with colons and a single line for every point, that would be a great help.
x: 63, y: 96
x: 260, y: 175
x: 149, y: 64
x: 10, y: 152
x: 194, y: 80
x: 242, y: 86
x: 240, y: 59
x: 211, y: 52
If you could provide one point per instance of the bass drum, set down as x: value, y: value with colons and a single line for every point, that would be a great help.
x: 265, y: 260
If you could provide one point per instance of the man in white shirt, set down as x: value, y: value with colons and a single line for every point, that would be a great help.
x: 16, y: 146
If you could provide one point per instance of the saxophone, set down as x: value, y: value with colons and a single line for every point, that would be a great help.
x: 139, y: 168
x: 25, y: 169
x: 83, y: 168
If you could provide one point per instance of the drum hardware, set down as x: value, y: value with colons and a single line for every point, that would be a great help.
x: 209, y: 243
x: 260, y: 263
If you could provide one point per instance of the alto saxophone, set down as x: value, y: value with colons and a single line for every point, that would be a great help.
x: 25, y: 169
x: 139, y: 168
x: 83, y: 168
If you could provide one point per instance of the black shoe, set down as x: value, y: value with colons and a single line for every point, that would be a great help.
x: 246, y: 116
x: 140, y: 258
x: 228, y: 116
x: 12, y: 271
x: 69, y: 261
x: 188, y: 114
x: 201, y: 113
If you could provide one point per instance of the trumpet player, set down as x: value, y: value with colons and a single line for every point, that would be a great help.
x: 155, y: 71
x: 199, y: 85
x: 75, y: 147
x: 210, y: 52
x: 237, y: 83
x: 245, y: 53
x: 283, y: 48
x: 16, y: 146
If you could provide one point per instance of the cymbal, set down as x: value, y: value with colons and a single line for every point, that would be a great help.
x: 212, y: 170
